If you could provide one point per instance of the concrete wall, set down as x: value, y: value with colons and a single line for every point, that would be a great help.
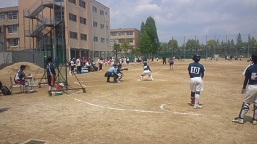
x: 22, y: 56
x: 5, y: 57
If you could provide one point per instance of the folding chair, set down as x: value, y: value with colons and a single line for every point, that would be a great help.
x: 16, y: 85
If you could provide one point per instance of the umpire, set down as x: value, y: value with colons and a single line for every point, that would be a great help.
x: 112, y: 72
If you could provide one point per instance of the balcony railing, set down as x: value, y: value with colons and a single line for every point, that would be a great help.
x: 39, y: 5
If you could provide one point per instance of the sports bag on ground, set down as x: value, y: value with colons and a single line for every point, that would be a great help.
x: 5, y: 90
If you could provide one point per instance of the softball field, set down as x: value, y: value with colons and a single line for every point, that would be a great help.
x: 133, y: 111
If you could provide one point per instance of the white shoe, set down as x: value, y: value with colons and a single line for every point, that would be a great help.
x: 238, y: 120
x: 197, y: 107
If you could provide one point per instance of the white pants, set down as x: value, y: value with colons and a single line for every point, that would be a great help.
x: 251, y: 94
x: 146, y: 72
x: 196, y: 84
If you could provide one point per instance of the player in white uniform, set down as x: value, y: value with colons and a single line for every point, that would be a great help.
x: 251, y: 92
x: 196, y: 73
x: 147, y: 71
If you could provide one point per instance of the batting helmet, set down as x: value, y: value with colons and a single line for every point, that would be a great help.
x: 254, y: 57
x: 196, y: 58
x: 49, y: 59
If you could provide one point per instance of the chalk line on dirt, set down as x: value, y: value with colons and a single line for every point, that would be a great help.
x: 181, y: 113
x: 138, y: 110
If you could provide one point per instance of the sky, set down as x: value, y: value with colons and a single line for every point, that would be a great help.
x: 179, y: 18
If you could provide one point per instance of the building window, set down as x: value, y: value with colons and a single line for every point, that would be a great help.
x: 102, y: 40
x: 13, y: 42
x: 107, y: 27
x: 12, y: 29
x: 59, y: 15
x: 130, y: 40
x: 72, y: 1
x: 72, y: 17
x: 94, y: 9
x: 12, y: 15
x: 101, y: 12
x: 107, y: 41
x: 130, y: 33
x: 2, y: 16
x: 121, y: 40
x: 94, y: 24
x: 83, y: 36
x: 82, y: 3
x: 73, y: 35
x: 102, y: 26
x: 113, y: 34
x: 83, y: 20
x: 121, y: 33
x: 95, y: 39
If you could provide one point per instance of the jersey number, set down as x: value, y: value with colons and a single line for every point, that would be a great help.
x: 254, y: 76
x: 195, y: 70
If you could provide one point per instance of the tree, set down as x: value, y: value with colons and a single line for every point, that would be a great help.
x: 145, y: 44
x: 173, y: 44
x: 151, y: 30
x: 125, y: 46
x: 136, y: 51
x: 212, y: 44
x: 117, y: 49
x: 192, y: 45
x: 164, y: 47
x: 239, y: 44
x: 142, y: 27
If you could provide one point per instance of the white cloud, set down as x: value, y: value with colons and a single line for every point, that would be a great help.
x: 183, y: 17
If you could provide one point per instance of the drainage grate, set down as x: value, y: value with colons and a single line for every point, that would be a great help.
x: 35, y: 142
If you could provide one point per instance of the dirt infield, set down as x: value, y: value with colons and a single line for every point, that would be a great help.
x: 131, y: 112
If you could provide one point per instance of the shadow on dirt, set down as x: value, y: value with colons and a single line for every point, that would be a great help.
x: 3, y: 109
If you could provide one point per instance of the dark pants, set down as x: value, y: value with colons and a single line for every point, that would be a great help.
x: 114, y: 75
x: 51, y: 80
x: 78, y: 69
x: 100, y: 66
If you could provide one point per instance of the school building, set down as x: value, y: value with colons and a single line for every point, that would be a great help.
x: 82, y: 27
x: 132, y: 35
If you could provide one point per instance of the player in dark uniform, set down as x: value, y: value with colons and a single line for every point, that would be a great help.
x: 51, y: 74
x: 196, y: 73
x: 164, y: 60
x: 251, y: 93
x: 171, y: 61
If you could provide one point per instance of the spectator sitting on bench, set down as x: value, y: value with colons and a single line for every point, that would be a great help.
x: 94, y: 66
x: 88, y: 66
x: 20, y: 78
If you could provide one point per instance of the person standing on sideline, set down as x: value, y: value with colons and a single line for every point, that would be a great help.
x: 100, y: 63
x: 51, y: 74
x: 251, y: 93
x: 72, y: 66
x: 127, y: 60
x: 147, y: 71
x: 164, y: 60
x: 78, y: 64
x: 196, y: 73
x: 171, y: 61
